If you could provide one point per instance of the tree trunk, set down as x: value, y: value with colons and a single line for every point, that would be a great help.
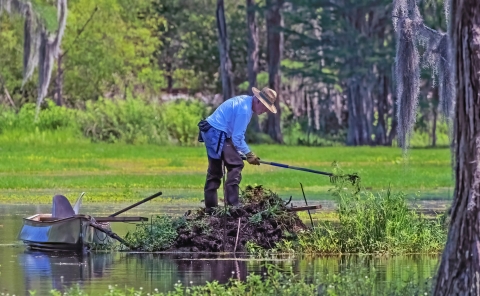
x: 434, y: 128
x: 435, y: 100
x: 393, y: 128
x: 168, y: 69
x: 382, y: 109
x: 360, y: 113
x: 274, y: 56
x: 252, y: 58
x: 59, y: 82
x: 223, y: 46
x: 459, y: 271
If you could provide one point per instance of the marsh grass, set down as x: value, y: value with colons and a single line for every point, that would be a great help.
x: 46, y: 160
x: 372, y: 223
x: 347, y: 281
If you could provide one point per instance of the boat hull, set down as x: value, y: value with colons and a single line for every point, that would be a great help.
x: 69, y: 234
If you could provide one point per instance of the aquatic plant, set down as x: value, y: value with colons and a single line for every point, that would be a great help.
x: 158, y: 235
x: 374, y: 223
x: 350, y: 280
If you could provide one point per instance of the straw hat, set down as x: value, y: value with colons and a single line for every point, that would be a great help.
x: 267, y: 96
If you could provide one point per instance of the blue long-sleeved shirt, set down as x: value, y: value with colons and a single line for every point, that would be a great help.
x: 233, y: 117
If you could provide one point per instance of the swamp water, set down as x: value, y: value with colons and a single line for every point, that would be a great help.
x: 22, y: 270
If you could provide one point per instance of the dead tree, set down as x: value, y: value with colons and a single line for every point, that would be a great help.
x: 252, y: 56
x: 223, y: 46
x: 274, y: 56
x: 252, y: 59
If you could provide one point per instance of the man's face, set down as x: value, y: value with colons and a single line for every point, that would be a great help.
x: 258, y: 107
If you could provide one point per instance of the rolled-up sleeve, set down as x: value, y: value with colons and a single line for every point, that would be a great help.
x: 238, y: 134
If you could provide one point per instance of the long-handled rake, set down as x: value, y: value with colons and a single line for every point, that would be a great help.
x: 354, y: 179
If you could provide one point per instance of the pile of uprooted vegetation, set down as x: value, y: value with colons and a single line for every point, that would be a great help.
x: 367, y: 223
x: 263, y: 219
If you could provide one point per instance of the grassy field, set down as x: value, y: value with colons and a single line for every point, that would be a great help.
x: 32, y: 169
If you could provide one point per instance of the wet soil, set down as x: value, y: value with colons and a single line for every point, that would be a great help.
x: 262, y: 219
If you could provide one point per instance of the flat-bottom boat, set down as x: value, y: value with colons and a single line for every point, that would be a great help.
x: 75, y: 233
x: 67, y: 230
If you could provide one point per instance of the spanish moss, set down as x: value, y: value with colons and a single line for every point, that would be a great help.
x: 446, y: 79
x: 408, y: 80
x: 40, y: 47
x: 411, y: 31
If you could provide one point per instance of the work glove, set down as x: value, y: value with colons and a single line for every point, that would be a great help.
x: 252, y: 158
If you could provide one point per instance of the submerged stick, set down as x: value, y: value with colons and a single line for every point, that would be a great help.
x: 311, y: 220
x: 111, y: 234
x: 236, y: 239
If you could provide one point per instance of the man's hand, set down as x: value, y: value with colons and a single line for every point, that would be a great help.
x: 252, y: 158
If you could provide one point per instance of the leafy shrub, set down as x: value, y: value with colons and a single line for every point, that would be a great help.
x: 131, y: 121
x: 51, y: 117
x: 181, y: 119
x: 159, y: 234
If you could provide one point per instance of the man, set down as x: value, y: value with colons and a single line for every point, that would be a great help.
x: 224, y: 135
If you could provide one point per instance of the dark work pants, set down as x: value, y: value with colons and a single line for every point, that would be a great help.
x: 234, y: 165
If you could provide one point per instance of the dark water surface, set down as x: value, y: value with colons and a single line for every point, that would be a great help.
x: 22, y: 270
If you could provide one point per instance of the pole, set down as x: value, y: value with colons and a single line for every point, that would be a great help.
x: 225, y: 205
x: 281, y: 165
x: 136, y: 204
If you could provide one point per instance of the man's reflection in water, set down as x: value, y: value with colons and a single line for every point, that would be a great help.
x: 199, y: 268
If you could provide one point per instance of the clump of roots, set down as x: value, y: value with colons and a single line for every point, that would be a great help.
x: 262, y: 219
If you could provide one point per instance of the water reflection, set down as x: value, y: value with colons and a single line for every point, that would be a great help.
x: 189, y: 269
x: 45, y: 271
x: 94, y: 272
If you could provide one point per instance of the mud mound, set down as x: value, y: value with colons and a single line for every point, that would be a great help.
x: 262, y: 219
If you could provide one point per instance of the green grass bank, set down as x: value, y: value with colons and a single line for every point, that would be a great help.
x: 33, y: 166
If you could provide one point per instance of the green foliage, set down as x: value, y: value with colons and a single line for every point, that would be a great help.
x: 272, y: 206
x: 221, y: 211
x: 188, y: 50
x: 297, y: 132
x: 158, y: 235
x: 51, y: 118
x: 11, y: 62
x: 201, y: 224
x: 47, y: 13
x: 181, y: 119
x: 262, y: 81
x: 374, y: 223
x: 131, y: 121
